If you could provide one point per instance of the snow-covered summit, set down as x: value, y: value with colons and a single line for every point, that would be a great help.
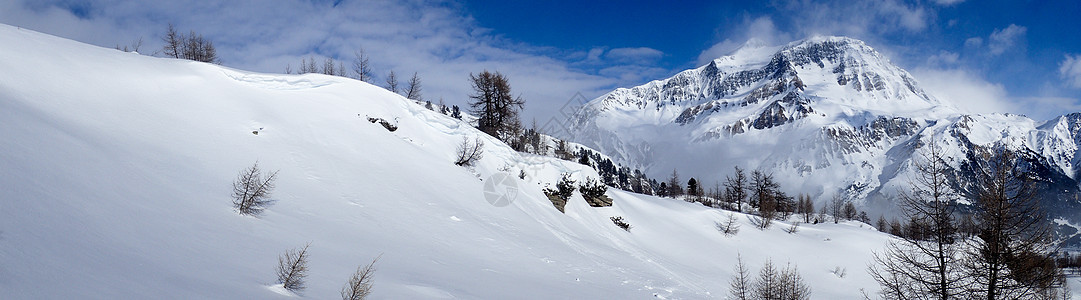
x: 835, y: 73
x: 827, y: 115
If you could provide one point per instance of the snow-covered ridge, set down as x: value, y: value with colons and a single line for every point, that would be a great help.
x: 826, y: 115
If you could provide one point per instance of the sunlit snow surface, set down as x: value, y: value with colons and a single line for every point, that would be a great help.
x: 115, y: 173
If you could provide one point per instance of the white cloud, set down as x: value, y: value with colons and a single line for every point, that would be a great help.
x: 639, y: 55
x: 595, y: 54
x: 948, y: 2
x: 1044, y: 108
x: 972, y: 94
x: 974, y: 42
x: 761, y: 29
x: 943, y: 58
x: 723, y: 48
x: 860, y: 19
x: 433, y: 39
x: 964, y: 90
x: 1070, y: 70
x: 1006, y: 39
x: 633, y: 73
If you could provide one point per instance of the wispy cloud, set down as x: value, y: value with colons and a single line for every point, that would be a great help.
x: 858, y: 19
x: 943, y: 58
x: 973, y: 94
x: 948, y: 2
x: 761, y: 29
x: 639, y: 55
x: 1005, y: 39
x: 965, y: 90
x: 1070, y: 70
x: 434, y: 38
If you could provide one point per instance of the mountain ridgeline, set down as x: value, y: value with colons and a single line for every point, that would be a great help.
x: 827, y: 116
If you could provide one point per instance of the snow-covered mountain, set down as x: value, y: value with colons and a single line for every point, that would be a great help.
x: 116, y: 172
x: 825, y: 115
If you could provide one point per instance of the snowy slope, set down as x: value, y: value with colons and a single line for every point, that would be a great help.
x: 826, y: 115
x: 115, y: 173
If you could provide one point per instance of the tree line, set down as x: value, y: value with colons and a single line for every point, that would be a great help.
x: 760, y: 194
x: 189, y: 46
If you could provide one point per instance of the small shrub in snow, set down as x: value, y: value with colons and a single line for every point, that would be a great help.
x: 760, y: 222
x: 564, y: 188
x: 792, y: 229
x: 730, y: 226
x: 562, y: 193
x: 386, y: 124
x: 469, y: 153
x: 592, y: 189
x: 360, y: 285
x: 455, y: 112
x: 293, y: 268
x: 840, y: 272
x: 251, y: 190
x: 622, y: 224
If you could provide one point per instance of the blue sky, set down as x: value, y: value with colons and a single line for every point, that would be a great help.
x: 1020, y: 56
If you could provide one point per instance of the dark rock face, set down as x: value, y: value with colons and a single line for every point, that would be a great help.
x: 559, y: 203
x: 601, y: 201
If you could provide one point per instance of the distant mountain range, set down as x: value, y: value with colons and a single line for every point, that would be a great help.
x: 827, y: 116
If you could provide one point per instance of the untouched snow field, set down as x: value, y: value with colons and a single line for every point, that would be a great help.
x: 116, y: 170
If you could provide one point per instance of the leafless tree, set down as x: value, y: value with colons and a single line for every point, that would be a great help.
x: 792, y: 229
x: 763, y: 188
x: 191, y: 47
x: 775, y: 284
x: 765, y: 285
x: 135, y: 45
x: 849, y: 211
x: 197, y: 48
x: 328, y: 67
x: 494, y: 105
x: 735, y: 187
x: 412, y: 88
x: 924, y: 265
x: 791, y: 285
x: 740, y: 285
x: 806, y: 207
x: 251, y: 190
x: 1009, y: 257
x: 392, y: 82
x: 293, y: 268
x: 469, y: 153
x: 729, y: 226
x: 360, y: 285
x: 172, y: 42
x: 767, y: 209
x: 362, y: 69
x: 675, y: 187
x: 836, y: 208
